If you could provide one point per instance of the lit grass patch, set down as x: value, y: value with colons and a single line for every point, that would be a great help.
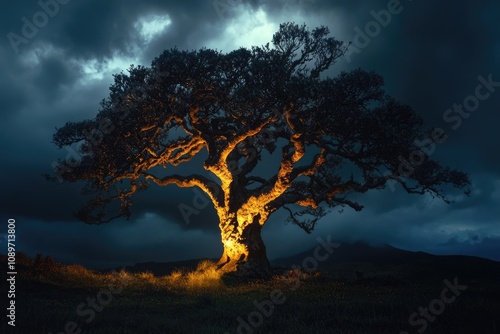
x: 206, y: 276
x: 175, y: 278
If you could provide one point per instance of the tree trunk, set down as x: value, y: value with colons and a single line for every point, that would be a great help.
x: 244, y: 250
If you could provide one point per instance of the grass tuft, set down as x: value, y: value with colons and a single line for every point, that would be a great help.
x: 206, y: 276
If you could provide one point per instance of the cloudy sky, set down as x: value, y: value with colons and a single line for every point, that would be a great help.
x: 57, y: 64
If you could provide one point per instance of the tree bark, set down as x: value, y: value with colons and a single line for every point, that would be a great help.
x: 244, y: 250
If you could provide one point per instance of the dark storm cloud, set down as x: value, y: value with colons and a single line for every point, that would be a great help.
x: 96, y: 29
x: 54, y: 74
x: 430, y: 55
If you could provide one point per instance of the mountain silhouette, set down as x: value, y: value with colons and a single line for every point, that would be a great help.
x: 385, y: 260
x: 371, y: 261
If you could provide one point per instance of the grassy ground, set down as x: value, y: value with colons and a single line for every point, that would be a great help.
x: 52, y: 298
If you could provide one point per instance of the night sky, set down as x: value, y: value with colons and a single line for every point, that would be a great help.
x: 432, y: 54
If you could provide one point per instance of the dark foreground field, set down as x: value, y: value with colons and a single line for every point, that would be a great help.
x: 52, y: 298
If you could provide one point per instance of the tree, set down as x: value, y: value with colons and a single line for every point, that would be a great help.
x: 332, y: 137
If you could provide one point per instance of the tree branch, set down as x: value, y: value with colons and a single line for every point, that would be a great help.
x: 212, y: 189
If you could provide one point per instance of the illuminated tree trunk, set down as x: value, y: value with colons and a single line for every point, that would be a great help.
x: 244, y: 250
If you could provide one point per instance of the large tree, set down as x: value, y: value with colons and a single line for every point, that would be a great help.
x: 330, y: 137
